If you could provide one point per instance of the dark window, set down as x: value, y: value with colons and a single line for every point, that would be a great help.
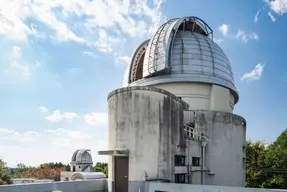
x: 195, y: 161
x: 179, y: 178
x: 202, y: 135
x: 160, y: 191
x: 179, y: 160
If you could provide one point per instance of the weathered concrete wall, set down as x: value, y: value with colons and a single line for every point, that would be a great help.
x: 66, y: 174
x: 193, y: 150
x: 147, y: 121
x: 68, y: 186
x: 225, y: 152
x: 171, y: 187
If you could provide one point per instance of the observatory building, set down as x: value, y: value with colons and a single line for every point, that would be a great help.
x: 173, y: 120
x: 81, y: 167
x: 82, y: 161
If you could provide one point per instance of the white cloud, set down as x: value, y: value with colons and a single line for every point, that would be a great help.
x: 245, y: 37
x: 72, y: 134
x: 224, y: 29
x: 12, y: 25
x: 58, y: 144
x: 123, y: 60
x: 119, y: 14
x: 15, y: 63
x: 70, y: 115
x: 38, y: 64
x: 278, y: 6
x: 99, y: 119
x: 255, y: 74
x: 10, y: 135
x: 242, y: 35
x: 105, y: 42
x: 256, y: 16
x: 57, y: 116
x: 43, y: 109
x: 134, y: 19
x: 253, y: 36
x: 89, y: 53
x: 271, y: 17
x: 218, y: 41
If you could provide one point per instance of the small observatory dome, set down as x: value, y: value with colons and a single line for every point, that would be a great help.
x: 82, y: 161
x: 182, y: 50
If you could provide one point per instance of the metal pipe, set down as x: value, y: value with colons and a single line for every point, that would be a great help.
x: 203, y: 149
x: 201, y: 172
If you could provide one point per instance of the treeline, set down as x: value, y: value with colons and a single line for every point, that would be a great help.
x: 266, y: 166
x: 101, y: 167
x: 43, y: 171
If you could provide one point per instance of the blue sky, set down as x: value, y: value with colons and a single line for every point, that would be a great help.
x: 58, y: 62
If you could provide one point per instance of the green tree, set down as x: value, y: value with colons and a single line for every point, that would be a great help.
x: 67, y: 167
x: 4, y: 176
x: 266, y: 166
x: 255, y: 158
x: 21, y: 166
x: 276, y: 160
x: 101, y: 167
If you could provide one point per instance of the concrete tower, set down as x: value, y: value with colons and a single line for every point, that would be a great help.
x: 173, y: 120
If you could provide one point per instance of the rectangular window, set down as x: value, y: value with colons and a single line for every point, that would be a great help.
x: 195, y: 161
x: 179, y: 160
x: 179, y: 178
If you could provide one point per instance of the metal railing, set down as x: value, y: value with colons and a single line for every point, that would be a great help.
x: 191, y: 133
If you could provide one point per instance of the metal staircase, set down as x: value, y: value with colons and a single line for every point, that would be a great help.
x: 191, y: 133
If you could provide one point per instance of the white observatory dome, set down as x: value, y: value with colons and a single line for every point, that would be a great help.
x: 82, y: 156
x: 182, y: 50
x: 82, y: 161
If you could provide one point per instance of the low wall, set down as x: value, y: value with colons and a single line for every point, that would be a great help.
x: 171, y: 187
x: 66, y: 186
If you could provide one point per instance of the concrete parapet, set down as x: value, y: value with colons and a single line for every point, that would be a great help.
x: 171, y: 187
x: 67, y: 186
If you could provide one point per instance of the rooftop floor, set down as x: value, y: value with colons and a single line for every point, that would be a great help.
x: 100, y: 185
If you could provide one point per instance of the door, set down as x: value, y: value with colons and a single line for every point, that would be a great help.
x: 121, y: 174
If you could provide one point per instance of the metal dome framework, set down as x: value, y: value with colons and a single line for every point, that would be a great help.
x: 163, y: 40
x: 188, y: 40
x: 136, y: 67
x: 82, y: 161
x: 82, y: 156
